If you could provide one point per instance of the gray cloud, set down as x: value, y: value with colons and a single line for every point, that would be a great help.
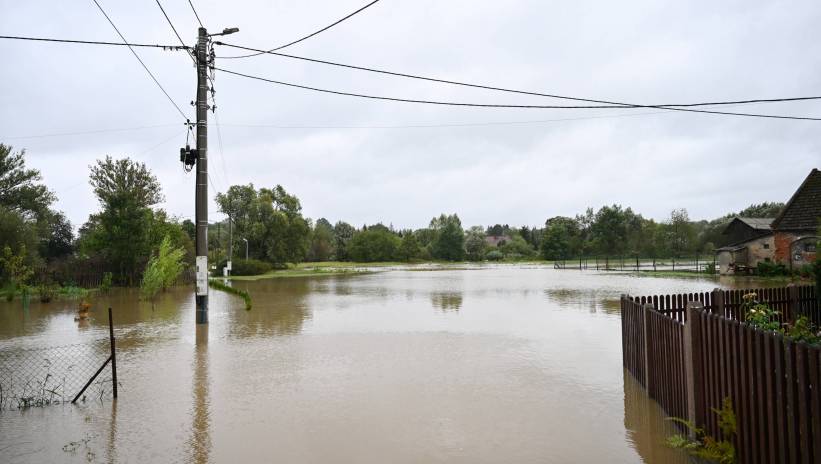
x: 644, y: 51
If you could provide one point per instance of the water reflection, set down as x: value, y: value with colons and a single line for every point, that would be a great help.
x: 446, y: 301
x: 280, y: 307
x: 200, y: 441
x: 645, y: 425
x: 589, y: 299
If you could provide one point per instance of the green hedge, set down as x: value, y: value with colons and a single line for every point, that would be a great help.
x: 245, y: 267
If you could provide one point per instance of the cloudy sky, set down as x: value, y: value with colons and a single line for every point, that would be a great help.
x: 345, y: 158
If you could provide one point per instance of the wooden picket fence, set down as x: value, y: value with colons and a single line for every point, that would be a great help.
x: 690, y: 362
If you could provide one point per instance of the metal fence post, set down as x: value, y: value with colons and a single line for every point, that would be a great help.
x: 113, y: 352
x: 693, y: 368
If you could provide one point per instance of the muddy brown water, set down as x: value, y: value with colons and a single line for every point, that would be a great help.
x: 494, y: 364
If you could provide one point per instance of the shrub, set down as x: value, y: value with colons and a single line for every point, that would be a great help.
x: 245, y: 267
x: 162, y: 270
x: 705, y: 446
x: 494, y: 255
x: 770, y: 269
x: 105, y: 284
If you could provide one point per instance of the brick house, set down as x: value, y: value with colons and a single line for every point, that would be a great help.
x: 795, y: 230
x: 750, y: 242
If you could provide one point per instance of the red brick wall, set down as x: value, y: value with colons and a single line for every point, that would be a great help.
x: 783, y: 240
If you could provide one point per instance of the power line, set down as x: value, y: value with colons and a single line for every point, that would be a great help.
x: 195, y: 13
x: 610, y: 104
x: 140, y: 60
x: 260, y: 52
x: 487, y: 105
x: 172, y: 26
x: 98, y: 131
x: 446, y: 125
x: 95, y: 42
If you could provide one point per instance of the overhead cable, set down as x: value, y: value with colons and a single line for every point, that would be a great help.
x: 260, y: 52
x: 491, y: 105
x: 141, y: 61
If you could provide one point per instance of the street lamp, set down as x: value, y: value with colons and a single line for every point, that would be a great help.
x: 246, y: 248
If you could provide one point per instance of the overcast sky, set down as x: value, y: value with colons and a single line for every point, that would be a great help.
x: 555, y: 162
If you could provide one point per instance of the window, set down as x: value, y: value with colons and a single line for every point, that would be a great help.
x: 809, y: 247
x: 766, y: 246
x: 767, y: 259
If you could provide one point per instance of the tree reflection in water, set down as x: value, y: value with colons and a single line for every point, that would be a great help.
x: 446, y: 301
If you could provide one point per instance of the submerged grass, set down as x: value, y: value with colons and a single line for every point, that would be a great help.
x: 213, y: 283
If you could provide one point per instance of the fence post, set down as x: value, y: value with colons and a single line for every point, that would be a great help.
x: 645, y: 314
x: 793, y: 303
x: 113, y: 352
x: 693, y: 368
x: 718, y: 303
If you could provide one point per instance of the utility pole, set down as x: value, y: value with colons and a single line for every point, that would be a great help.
x: 201, y: 192
x: 230, y: 243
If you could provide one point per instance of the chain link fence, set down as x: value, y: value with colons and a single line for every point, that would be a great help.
x: 34, y: 377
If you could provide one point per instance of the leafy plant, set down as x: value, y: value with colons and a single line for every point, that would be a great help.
x: 705, y: 446
x: 234, y: 291
x: 759, y: 314
x: 106, y: 283
x: 802, y: 330
x: 162, y: 270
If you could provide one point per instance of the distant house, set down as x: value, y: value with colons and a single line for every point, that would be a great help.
x: 751, y: 242
x: 796, y: 228
x: 497, y: 240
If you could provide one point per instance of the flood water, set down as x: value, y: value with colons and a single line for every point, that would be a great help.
x: 493, y: 364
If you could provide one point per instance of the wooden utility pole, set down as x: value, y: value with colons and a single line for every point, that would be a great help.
x: 201, y: 191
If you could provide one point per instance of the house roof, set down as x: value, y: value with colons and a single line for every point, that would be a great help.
x: 757, y: 223
x: 804, y: 208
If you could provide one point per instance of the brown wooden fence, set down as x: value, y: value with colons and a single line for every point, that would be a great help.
x: 688, y: 366
x: 790, y: 301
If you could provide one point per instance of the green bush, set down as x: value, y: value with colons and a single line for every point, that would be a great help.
x: 245, y: 267
x: 105, y: 284
x: 494, y: 255
x: 806, y: 271
x: 770, y: 269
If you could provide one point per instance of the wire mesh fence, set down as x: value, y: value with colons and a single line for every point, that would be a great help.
x: 53, y: 375
x: 33, y: 377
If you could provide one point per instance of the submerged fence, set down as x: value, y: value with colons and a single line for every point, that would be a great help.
x: 690, y: 359
x: 625, y: 263
x: 58, y: 374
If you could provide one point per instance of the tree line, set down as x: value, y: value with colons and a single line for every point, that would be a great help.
x: 38, y: 245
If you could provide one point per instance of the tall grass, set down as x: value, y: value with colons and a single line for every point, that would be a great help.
x: 234, y: 291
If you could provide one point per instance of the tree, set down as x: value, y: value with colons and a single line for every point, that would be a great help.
x: 409, y: 247
x: 558, y: 236
x: 475, y: 244
x: 270, y: 219
x: 126, y: 229
x: 20, y: 190
x: 680, y: 232
x: 322, y: 241
x: 14, y: 268
x: 56, y: 241
x: 343, y: 233
x: 374, y: 245
x: 449, y: 242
